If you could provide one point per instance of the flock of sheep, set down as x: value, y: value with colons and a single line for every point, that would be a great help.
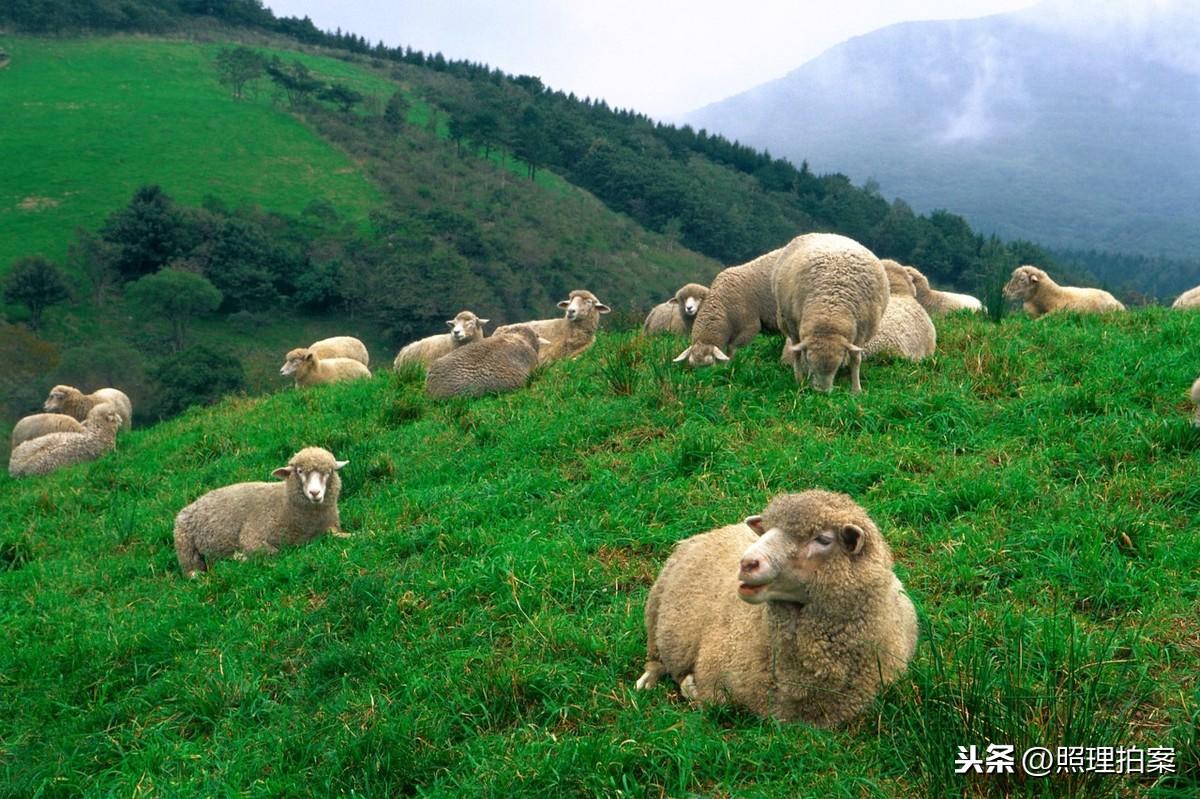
x: 795, y: 612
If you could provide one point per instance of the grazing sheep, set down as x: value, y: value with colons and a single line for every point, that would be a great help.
x: 502, y: 362
x: 1040, y: 295
x: 464, y: 328
x: 571, y: 334
x: 905, y: 328
x: 794, y: 614
x: 251, y: 517
x: 739, y: 304
x: 311, y: 369
x: 40, y: 424
x: 342, y: 347
x: 937, y: 303
x: 52, y: 451
x: 76, y: 404
x: 831, y: 293
x: 1188, y: 299
x: 1196, y: 401
x: 676, y: 314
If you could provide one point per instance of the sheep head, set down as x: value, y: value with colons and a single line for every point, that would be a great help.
x: 820, y: 358
x: 581, y: 304
x: 1024, y: 283
x: 689, y: 298
x: 309, y: 474
x: 58, y: 398
x: 698, y: 355
x: 296, y: 360
x: 465, y: 327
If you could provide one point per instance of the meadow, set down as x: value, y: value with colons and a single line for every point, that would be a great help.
x: 480, y: 633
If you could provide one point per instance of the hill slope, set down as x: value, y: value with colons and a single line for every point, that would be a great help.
x: 481, y: 632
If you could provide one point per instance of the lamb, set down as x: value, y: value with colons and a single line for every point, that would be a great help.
x: 571, y: 334
x: 342, y: 347
x: 794, y: 614
x: 1196, y: 401
x: 310, y: 369
x: 74, y: 403
x: 1188, y: 299
x: 905, y: 328
x: 739, y: 304
x: 502, y: 362
x: 261, y: 517
x: 831, y: 294
x: 53, y: 451
x: 677, y: 314
x: 40, y: 424
x: 1041, y: 295
x: 937, y: 303
x: 464, y: 328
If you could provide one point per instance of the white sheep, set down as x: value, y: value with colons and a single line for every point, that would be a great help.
x: 1188, y: 299
x: 739, y: 304
x: 937, y: 302
x: 905, y: 328
x: 261, y: 517
x: 342, y: 347
x: 573, y: 332
x: 53, y: 451
x: 831, y: 293
x: 464, y: 328
x: 310, y: 369
x: 40, y: 424
x: 677, y: 314
x: 501, y: 362
x: 794, y: 614
x: 74, y: 403
x: 1040, y: 295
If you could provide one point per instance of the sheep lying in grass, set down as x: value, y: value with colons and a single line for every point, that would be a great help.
x: 571, y: 334
x: 261, y: 517
x: 937, y: 303
x: 464, y: 328
x: 74, y: 403
x: 1188, y: 299
x: 40, y: 424
x: 794, y: 614
x: 1041, y: 295
x: 739, y: 304
x: 342, y: 347
x: 310, y: 369
x: 677, y: 314
x: 53, y: 451
x: 905, y: 328
x: 831, y: 293
x: 502, y: 362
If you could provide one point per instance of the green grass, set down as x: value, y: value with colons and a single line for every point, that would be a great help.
x: 480, y: 633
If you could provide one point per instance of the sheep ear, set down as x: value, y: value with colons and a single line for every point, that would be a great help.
x: 853, y: 348
x: 683, y: 355
x: 544, y: 341
x: 1033, y: 278
x: 602, y: 308
x: 283, y: 472
x: 482, y: 322
x: 755, y: 523
x: 799, y: 348
x: 853, y: 538
x: 673, y: 301
x: 720, y: 356
x: 337, y: 465
x: 449, y: 323
x: 563, y: 303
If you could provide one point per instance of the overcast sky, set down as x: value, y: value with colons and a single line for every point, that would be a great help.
x: 660, y: 57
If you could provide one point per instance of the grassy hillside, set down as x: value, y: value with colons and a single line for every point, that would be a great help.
x: 481, y: 631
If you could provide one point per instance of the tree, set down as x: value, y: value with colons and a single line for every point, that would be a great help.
x: 395, y: 113
x: 295, y: 79
x: 341, y: 95
x: 148, y: 232
x: 196, y: 376
x: 237, y: 66
x: 177, y: 297
x: 37, y: 284
x: 95, y: 259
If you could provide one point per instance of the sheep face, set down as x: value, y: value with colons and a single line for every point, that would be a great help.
x: 308, y: 478
x: 57, y: 399
x: 465, y: 327
x: 581, y: 304
x: 698, y: 355
x: 820, y: 358
x: 690, y: 298
x: 295, y: 360
x: 1024, y: 283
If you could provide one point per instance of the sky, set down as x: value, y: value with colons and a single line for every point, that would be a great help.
x: 659, y: 57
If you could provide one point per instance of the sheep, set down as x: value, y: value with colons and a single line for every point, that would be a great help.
x: 676, y: 314
x: 831, y: 293
x: 262, y: 517
x: 342, y: 347
x: 937, y: 303
x: 739, y: 304
x: 40, y: 424
x: 794, y: 613
x: 905, y: 328
x: 52, y: 451
x: 1041, y: 295
x: 1188, y: 299
x: 310, y: 369
x: 74, y: 403
x: 573, y: 332
x: 464, y: 328
x: 502, y: 362
x: 1196, y: 401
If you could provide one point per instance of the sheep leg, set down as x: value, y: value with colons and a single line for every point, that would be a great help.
x: 649, y: 678
x: 191, y: 562
x: 688, y: 688
x: 855, y: 362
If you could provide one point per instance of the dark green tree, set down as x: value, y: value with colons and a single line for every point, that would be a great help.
x: 147, y: 233
x: 95, y: 259
x: 395, y: 113
x: 175, y: 296
x: 341, y: 95
x: 37, y: 284
x: 245, y: 265
x: 237, y: 66
x: 295, y: 79
x: 196, y: 376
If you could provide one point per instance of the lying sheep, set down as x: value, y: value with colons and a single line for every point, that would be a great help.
x: 342, y: 347
x: 53, y: 451
x: 739, y: 304
x: 40, y: 424
x: 1041, y: 295
x: 676, y: 314
x: 310, y: 369
x: 905, y: 328
x: 464, y: 328
x: 937, y: 303
x: 1196, y: 401
x: 502, y: 362
x: 1188, y: 299
x: 831, y: 293
x: 74, y: 403
x: 794, y: 614
x: 261, y: 517
x: 571, y: 334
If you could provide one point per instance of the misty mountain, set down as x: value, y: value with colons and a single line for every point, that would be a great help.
x: 1069, y: 124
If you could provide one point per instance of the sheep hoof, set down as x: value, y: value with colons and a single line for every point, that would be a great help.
x: 688, y: 688
x: 340, y: 534
x: 650, y: 676
x: 240, y: 557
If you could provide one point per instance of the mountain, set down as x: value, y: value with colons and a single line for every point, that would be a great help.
x: 1071, y: 125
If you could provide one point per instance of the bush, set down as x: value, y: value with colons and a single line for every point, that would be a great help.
x: 196, y: 376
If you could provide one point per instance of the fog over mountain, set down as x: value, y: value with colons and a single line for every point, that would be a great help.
x: 1076, y: 124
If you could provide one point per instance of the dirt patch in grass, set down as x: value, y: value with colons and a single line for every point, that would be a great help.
x: 37, y: 203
